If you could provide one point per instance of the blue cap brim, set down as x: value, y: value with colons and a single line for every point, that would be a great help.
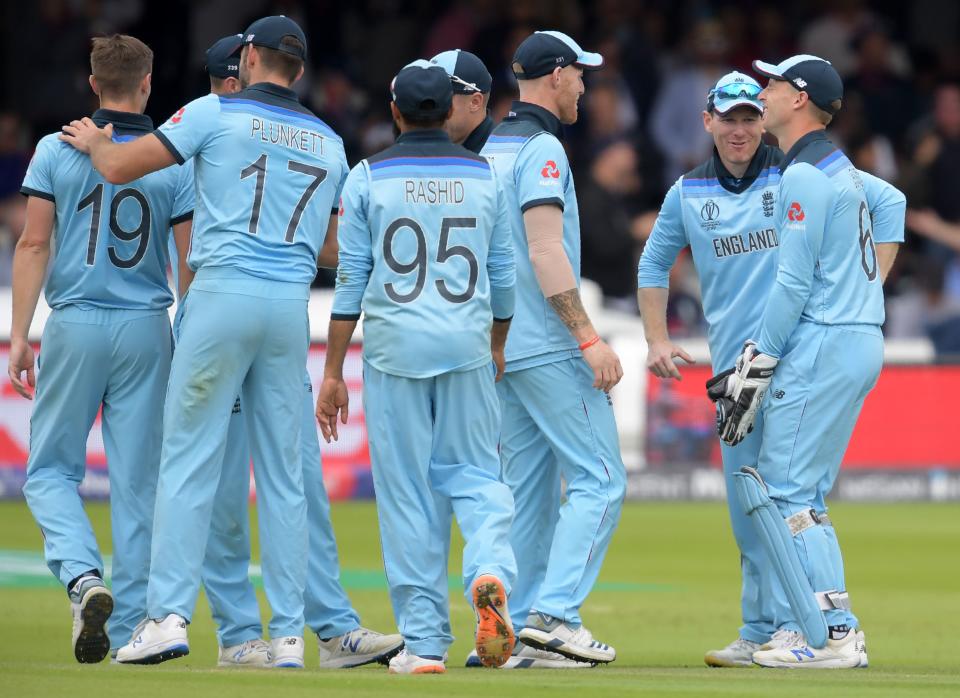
x: 590, y: 61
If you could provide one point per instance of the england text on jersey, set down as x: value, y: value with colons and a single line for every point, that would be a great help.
x: 744, y: 243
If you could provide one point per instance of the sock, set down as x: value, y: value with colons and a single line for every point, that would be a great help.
x: 838, y: 632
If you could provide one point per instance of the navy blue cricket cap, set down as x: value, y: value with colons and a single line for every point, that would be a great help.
x: 541, y: 52
x: 223, y: 58
x: 270, y: 31
x: 466, y: 71
x: 422, y: 89
x: 810, y: 74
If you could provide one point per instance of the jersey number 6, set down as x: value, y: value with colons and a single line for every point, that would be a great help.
x: 866, y: 242
x: 419, y: 262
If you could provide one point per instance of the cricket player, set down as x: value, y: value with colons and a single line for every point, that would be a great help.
x: 819, y: 352
x: 106, y: 344
x: 425, y: 253
x: 268, y: 173
x: 724, y: 210
x: 469, y: 124
x: 557, y: 416
x: 342, y: 641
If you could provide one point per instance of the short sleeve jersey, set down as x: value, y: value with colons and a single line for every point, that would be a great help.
x: 268, y: 176
x: 425, y: 252
x: 529, y: 159
x: 109, y: 240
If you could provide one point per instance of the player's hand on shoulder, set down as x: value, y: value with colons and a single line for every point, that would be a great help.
x: 660, y: 356
x: 333, y: 399
x: 84, y: 134
x: 21, y: 360
x: 605, y: 363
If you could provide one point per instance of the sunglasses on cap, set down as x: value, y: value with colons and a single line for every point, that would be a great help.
x: 736, y: 90
x: 460, y: 81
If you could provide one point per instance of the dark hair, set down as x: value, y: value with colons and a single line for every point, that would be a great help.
x: 281, y: 62
x: 119, y: 63
x: 418, y: 121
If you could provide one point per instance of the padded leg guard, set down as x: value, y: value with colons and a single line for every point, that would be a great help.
x: 778, y: 543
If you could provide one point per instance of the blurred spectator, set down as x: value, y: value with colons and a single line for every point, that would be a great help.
x: 676, y: 123
x: 610, y: 235
x: 831, y: 36
x: 936, y: 156
x: 887, y: 98
x: 14, y: 158
x: 927, y: 309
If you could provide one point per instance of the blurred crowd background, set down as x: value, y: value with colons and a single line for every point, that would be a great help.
x: 640, y: 121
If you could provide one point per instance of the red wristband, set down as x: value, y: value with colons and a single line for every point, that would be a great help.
x: 590, y: 342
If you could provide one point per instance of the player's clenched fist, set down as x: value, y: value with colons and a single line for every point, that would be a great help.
x: 332, y: 399
x: 605, y: 363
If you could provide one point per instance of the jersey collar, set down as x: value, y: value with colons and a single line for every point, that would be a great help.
x: 274, y: 90
x: 524, y: 111
x: 736, y: 185
x: 812, y: 137
x: 424, y: 135
x: 123, y: 121
x: 478, y: 137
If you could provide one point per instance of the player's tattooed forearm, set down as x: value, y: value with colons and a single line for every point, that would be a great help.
x: 568, y: 306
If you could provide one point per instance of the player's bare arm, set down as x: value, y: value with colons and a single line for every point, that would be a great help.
x: 330, y: 250
x: 886, y: 254
x: 544, y: 228
x: 332, y: 397
x: 660, y: 350
x: 498, y: 343
x: 181, y: 238
x: 119, y: 163
x: 29, y: 269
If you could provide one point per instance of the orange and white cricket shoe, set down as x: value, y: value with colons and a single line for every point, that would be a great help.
x: 406, y: 663
x: 494, y: 638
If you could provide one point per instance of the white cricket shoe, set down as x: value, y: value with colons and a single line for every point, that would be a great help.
x: 544, y: 632
x: 252, y: 653
x: 525, y: 657
x: 154, y: 641
x: 406, y: 663
x: 287, y: 652
x: 91, y: 604
x: 358, y: 647
x: 788, y: 649
x: 738, y: 653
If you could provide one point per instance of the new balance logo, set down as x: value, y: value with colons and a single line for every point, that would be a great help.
x: 801, y: 653
x: 778, y: 394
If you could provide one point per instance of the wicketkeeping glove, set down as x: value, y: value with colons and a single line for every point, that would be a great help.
x: 738, y: 392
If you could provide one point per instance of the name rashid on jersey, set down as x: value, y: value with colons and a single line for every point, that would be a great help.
x: 745, y: 243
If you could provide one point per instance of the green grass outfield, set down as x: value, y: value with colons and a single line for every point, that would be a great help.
x: 668, y: 592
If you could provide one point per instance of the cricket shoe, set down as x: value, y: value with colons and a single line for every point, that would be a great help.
x: 494, y: 636
x: 544, y: 632
x: 525, y: 657
x: 358, y: 647
x: 287, y: 652
x: 406, y: 663
x: 788, y: 649
x: 738, y: 653
x: 91, y: 604
x: 252, y: 653
x: 154, y: 641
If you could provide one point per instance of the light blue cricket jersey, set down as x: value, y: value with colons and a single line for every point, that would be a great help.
x: 828, y: 269
x: 531, y: 164
x: 109, y: 240
x: 268, y: 175
x: 425, y: 251
x: 729, y: 224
